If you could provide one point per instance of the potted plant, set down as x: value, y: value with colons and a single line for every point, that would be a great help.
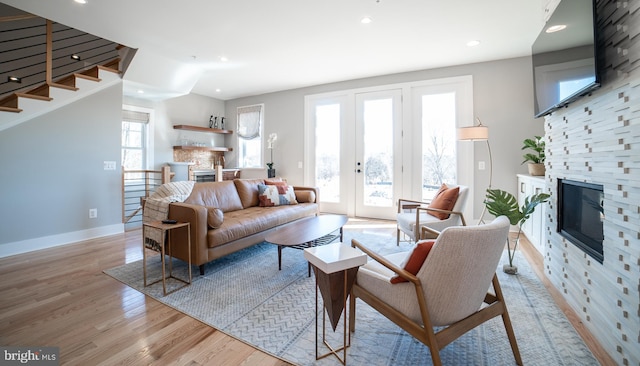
x: 535, y: 159
x: 501, y: 203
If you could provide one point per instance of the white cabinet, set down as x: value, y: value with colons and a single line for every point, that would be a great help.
x: 534, y: 228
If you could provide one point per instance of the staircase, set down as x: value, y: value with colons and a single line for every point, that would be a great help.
x: 56, y: 65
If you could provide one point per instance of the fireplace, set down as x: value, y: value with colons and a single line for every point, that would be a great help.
x: 581, y: 216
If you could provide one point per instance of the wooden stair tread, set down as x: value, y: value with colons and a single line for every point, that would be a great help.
x: 107, y: 68
x: 42, y: 90
x: 87, y: 77
x: 10, y: 109
x: 34, y: 96
x: 62, y: 86
x: 10, y: 101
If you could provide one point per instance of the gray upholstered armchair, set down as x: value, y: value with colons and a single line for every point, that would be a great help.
x: 416, y: 216
x: 463, y: 258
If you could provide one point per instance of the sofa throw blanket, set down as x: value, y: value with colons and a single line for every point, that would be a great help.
x: 157, y: 208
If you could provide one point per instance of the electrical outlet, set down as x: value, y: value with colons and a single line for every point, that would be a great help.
x: 109, y: 165
x: 93, y: 213
x: 481, y: 165
x: 299, y: 165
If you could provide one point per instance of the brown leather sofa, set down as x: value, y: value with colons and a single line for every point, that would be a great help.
x: 244, y: 222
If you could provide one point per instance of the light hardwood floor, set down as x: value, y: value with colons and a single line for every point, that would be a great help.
x: 60, y: 297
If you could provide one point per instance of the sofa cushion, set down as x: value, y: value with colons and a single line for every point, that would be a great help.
x: 269, y: 195
x: 242, y: 223
x: 222, y: 195
x: 248, y: 191
x: 215, y: 217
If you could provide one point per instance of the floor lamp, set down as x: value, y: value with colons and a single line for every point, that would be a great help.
x: 478, y: 132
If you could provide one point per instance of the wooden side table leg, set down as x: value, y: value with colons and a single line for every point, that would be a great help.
x: 279, y: 257
x: 164, y: 279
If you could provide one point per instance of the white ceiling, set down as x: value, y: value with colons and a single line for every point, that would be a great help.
x: 285, y: 44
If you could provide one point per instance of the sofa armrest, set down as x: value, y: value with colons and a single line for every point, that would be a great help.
x: 315, y: 190
x: 196, y: 215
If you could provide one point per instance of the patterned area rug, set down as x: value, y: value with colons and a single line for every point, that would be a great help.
x: 247, y: 297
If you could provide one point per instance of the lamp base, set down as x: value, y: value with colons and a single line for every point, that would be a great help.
x: 271, y: 173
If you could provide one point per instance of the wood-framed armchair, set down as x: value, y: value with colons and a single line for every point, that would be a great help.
x: 449, y: 290
x: 414, y: 217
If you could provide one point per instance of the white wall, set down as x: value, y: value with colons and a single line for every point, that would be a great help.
x: 503, y: 100
x: 52, y: 174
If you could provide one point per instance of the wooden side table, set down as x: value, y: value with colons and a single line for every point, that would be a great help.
x: 335, y: 267
x: 164, y: 249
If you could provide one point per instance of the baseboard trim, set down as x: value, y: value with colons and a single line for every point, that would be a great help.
x: 51, y: 241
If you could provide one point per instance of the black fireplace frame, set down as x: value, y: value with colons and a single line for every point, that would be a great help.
x: 591, y: 246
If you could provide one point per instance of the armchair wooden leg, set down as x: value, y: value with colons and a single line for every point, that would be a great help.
x: 397, y: 237
x: 352, y: 312
x: 507, y: 321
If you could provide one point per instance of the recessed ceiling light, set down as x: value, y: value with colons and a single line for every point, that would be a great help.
x: 223, y: 59
x: 555, y: 28
x: 218, y: 90
x: 473, y: 43
x: 14, y: 79
x: 75, y: 57
x: 140, y: 91
x: 81, y: 1
x: 366, y: 20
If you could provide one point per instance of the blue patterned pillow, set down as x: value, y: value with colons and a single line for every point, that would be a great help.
x: 269, y: 195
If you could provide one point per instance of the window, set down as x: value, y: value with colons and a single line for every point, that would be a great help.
x: 134, y: 139
x: 250, y: 125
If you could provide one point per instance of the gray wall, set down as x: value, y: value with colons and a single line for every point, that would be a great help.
x: 503, y: 100
x: 51, y: 170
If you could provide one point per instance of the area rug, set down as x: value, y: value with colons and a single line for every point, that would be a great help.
x: 246, y: 296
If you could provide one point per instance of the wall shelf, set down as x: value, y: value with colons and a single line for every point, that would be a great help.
x: 203, y: 148
x: 201, y: 129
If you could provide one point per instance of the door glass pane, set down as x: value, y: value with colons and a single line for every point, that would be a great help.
x: 328, y: 152
x: 438, y: 142
x: 378, y: 152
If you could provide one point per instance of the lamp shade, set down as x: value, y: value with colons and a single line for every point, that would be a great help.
x: 473, y: 133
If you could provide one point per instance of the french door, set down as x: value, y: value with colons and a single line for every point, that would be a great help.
x: 366, y: 148
x: 378, y: 155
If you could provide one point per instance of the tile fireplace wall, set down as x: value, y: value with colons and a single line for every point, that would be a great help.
x: 597, y: 140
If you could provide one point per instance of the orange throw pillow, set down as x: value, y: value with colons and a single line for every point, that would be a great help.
x: 414, y: 261
x: 445, y: 199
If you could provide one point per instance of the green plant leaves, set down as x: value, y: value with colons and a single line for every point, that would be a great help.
x: 536, y: 144
x: 501, y: 203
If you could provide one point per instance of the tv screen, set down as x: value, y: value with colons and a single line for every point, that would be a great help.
x: 564, y: 61
x: 581, y: 216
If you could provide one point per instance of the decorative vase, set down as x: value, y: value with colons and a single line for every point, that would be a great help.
x: 536, y: 169
x: 271, y: 173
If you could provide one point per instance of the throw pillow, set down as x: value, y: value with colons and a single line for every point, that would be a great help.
x: 444, y: 199
x: 215, y: 217
x: 305, y: 196
x: 414, y: 260
x: 275, y: 183
x: 276, y: 195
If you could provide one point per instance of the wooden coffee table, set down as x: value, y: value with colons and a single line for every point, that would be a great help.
x: 304, y: 233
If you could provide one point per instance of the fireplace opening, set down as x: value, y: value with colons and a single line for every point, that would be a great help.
x: 581, y: 216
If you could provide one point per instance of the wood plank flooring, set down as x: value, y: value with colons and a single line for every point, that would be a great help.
x: 60, y: 297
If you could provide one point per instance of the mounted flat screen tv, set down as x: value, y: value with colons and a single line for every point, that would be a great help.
x: 564, y: 61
